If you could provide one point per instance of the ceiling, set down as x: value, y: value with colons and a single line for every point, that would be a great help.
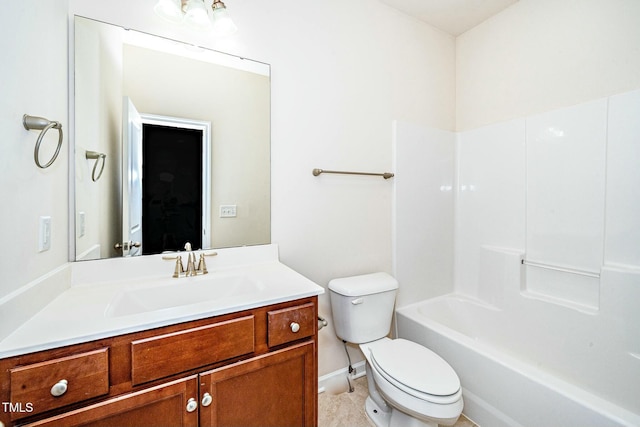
x: 451, y: 16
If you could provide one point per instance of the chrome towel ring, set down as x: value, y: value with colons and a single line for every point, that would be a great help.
x: 96, y: 156
x: 42, y: 124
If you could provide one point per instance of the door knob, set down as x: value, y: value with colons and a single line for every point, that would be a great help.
x: 126, y: 245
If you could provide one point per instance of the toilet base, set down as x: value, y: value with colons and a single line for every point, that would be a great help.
x: 375, y: 414
x: 394, y: 418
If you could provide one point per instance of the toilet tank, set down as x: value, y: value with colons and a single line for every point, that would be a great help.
x: 362, y: 306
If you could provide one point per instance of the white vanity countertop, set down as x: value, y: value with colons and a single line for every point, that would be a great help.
x: 239, y: 279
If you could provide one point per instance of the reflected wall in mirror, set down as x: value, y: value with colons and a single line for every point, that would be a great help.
x: 115, y: 67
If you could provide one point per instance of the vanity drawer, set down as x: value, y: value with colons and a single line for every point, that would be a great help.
x: 33, y: 386
x: 290, y: 324
x: 165, y: 355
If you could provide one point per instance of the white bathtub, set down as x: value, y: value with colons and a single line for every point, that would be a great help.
x: 533, y: 364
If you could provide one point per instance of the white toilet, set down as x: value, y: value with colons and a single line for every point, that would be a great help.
x: 409, y: 385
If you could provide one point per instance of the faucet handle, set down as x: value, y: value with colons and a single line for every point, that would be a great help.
x: 202, y: 266
x: 179, y: 267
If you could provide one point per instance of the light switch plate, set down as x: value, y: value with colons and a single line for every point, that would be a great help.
x: 44, y: 239
x: 81, y: 223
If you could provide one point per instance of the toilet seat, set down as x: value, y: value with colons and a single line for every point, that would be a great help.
x: 416, y: 370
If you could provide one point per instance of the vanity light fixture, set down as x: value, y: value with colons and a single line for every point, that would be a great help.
x: 195, y: 15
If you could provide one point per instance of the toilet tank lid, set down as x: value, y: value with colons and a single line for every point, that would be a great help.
x: 365, y: 284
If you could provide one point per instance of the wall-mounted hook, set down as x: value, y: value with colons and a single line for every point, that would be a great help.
x: 42, y: 124
x: 94, y: 155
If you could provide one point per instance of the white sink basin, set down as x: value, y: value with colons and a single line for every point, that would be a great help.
x: 184, y: 291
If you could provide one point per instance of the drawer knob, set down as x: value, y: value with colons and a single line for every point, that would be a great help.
x: 59, y: 388
x: 192, y: 405
x: 207, y: 399
x: 294, y: 327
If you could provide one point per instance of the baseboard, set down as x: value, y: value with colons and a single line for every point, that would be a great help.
x: 334, y: 379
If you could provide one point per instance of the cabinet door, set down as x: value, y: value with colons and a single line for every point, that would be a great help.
x: 164, y: 405
x: 278, y: 389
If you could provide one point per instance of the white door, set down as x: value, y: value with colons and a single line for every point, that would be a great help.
x: 132, y: 180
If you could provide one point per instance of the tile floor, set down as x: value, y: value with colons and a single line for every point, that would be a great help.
x: 347, y: 409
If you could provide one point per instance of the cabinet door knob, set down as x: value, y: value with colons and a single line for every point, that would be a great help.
x: 192, y: 405
x: 207, y: 399
x: 294, y: 327
x: 59, y: 388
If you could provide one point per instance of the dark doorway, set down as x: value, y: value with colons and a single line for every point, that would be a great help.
x: 171, y: 188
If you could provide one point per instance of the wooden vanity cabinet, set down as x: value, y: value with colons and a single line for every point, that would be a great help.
x: 162, y: 405
x: 277, y: 389
x: 257, y: 367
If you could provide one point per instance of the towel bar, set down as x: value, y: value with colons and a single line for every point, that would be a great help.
x: 385, y: 175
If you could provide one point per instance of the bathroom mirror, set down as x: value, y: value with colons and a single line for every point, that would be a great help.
x: 204, y: 177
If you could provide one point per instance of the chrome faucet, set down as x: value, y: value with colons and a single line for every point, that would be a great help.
x: 192, y: 269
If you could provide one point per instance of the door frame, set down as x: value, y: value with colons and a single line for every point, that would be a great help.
x: 205, y: 127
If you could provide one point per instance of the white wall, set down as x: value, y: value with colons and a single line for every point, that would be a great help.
x: 539, y: 55
x: 339, y: 79
x: 33, y: 80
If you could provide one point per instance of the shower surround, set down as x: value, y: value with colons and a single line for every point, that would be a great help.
x: 545, y: 236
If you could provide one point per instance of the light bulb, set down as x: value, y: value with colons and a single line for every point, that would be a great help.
x: 196, y: 15
x: 222, y: 23
x: 169, y: 10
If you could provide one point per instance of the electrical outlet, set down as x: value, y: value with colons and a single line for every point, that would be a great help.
x: 44, y: 240
x: 228, y: 211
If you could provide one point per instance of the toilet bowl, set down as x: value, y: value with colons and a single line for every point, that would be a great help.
x: 409, y: 385
x: 413, y: 380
